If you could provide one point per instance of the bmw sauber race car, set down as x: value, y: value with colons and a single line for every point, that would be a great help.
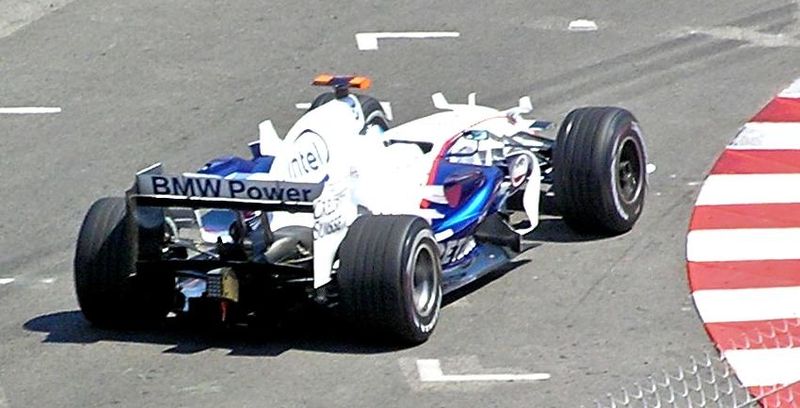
x: 373, y: 221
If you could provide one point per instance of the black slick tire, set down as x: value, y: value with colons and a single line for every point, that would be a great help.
x: 374, y: 114
x: 320, y: 100
x: 109, y: 291
x: 390, y: 277
x: 599, y: 170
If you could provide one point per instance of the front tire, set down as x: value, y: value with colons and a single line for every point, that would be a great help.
x: 109, y: 291
x: 599, y: 170
x: 390, y: 277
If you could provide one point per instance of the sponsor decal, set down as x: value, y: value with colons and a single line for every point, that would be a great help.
x: 207, y: 187
x: 310, y: 153
x: 327, y: 215
x: 456, y: 249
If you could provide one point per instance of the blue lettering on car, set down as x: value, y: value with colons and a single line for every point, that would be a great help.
x: 273, y: 193
x: 160, y: 185
x: 292, y: 194
x: 208, y: 187
x: 235, y: 187
x: 254, y: 193
x: 183, y: 187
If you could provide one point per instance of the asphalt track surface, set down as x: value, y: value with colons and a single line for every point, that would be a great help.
x: 182, y: 81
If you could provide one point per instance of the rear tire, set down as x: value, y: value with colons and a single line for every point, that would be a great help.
x: 320, y: 100
x: 390, y: 277
x: 599, y: 174
x: 109, y: 291
x: 374, y: 114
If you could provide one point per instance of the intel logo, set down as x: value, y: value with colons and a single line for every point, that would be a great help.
x: 309, y: 154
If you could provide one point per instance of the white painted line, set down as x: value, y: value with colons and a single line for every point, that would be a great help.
x: 431, y: 371
x: 722, y: 189
x: 747, y: 305
x: 26, y: 110
x: 768, y: 135
x: 369, y: 41
x: 6, y: 281
x: 303, y: 106
x: 387, y: 108
x: 747, y: 244
x: 48, y: 280
x: 793, y: 91
x: 765, y: 367
x: 582, y: 25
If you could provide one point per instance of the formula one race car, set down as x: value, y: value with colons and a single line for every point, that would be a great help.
x: 375, y: 222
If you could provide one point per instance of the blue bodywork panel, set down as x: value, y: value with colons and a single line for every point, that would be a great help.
x: 477, y: 192
x: 226, y: 165
x: 474, y: 191
x: 218, y: 222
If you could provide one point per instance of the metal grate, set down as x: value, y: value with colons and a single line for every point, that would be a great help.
x: 704, y: 382
x: 710, y: 380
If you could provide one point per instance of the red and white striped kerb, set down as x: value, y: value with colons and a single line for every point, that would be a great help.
x: 743, y: 252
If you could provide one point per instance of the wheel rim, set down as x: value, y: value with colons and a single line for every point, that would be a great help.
x: 425, y: 281
x: 628, y: 172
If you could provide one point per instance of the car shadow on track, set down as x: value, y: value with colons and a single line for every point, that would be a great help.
x: 303, y: 329
x: 498, y: 273
x: 553, y: 229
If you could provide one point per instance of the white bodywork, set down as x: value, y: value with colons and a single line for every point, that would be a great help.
x: 387, y: 172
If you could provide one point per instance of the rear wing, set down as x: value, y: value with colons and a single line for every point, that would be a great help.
x: 192, y: 190
x: 335, y: 209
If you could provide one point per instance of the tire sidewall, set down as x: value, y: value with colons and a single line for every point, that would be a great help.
x: 586, y: 174
x: 320, y: 100
x: 622, y: 129
x: 371, y: 109
x: 421, y: 325
x: 109, y: 288
x: 373, y: 113
x: 376, y: 118
x: 104, y: 237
